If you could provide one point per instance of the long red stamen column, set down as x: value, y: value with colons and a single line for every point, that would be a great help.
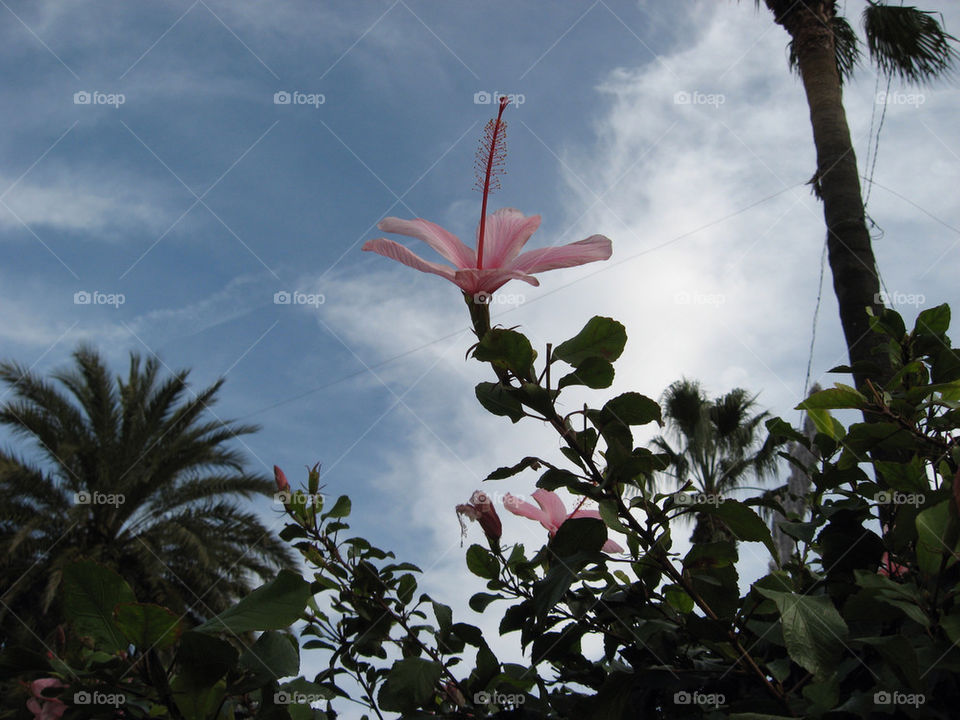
x: 495, y: 154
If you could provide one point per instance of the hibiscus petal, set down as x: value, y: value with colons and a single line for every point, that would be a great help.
x: 473, y: 282
x: 396, y: 251
x: 596, y: 247
x: 525, y: 509
x: 505, y: 233
x: 611, y: 546
x: 440, y: 239
x: 552, y: 505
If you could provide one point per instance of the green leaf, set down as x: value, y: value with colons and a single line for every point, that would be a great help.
x: 147, y: 626
x: 273, y: 606
x: 480, y: 601
x: 91, y: 593
x: 202, y: 659
x: 594, y: 372
x: 506, y: 349
x: 678, y: 599
x: 582, y: 534
x: 908, y: 477
x: 341, y: 508
x: 835, y: 398
x: 601, y: 337
x: 274, y: 655
x: 933, y: 321
x: 710, y: 555
x: 505, y: 472
x: 742, y: 521
x: 443, y: 614
x: 813, y: 630
x: 410, y: 683
x: 632, y: 409
x: 196, y: 702
x: 780, y: 428
x: 499, y: 400
x: 482, y: 563
x: 555, y: 478
x: 826, y: 423
x: 932, y: 528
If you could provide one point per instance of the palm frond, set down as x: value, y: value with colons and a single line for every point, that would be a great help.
x: 846, y: 48
x: 908, y: 43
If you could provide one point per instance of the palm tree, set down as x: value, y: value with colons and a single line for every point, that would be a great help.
x: 131, y: 473
x: 903, y: 42
x: 716, y: 445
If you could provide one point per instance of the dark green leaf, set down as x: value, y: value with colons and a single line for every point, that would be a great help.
x: 836, y: 398
x: 91, y: 592
x: 499, y: 400
x: 482, y: 563
x: 273, y: 606
x: 506, y: 349
x: 594, y: 372
x: 742, y: 521
x: 148, y: 626
x: 601, y: 337
x: 341, y: 508
x: 632, y: 409
x: 505, y: 472
x: 410, y: 683
x: 579, y: 535
x: 813, y: 630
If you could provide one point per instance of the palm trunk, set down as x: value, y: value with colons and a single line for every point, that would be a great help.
x: 848, y: 240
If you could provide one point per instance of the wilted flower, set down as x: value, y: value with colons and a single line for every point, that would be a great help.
x: 552, y: 513
x: 482, y: 510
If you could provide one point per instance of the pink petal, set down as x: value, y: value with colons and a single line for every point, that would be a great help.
x: 596, y: 247
x: 396, y: 251
x: 505, y: 233
x: 440, y: 239
x: 477, y: 281
x: 553, y: 506
x: 525, y: 509
x: 611, y: 546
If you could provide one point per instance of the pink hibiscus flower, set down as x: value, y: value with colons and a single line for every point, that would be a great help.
x: 505, y: 233
x: 552, y: 513
x: 51, y: 708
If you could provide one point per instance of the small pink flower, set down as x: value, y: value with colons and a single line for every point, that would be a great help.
x: 482, y: 510
x: 890, y: 568
x: 46, y: 708
x: 552, y: 513
x: 281, y: 479
x: 506, y: 232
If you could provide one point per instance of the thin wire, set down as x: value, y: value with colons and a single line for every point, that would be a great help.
x: 540, y: 297
x: 813, y: 330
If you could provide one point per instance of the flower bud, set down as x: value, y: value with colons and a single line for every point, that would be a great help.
x: 282, y: 484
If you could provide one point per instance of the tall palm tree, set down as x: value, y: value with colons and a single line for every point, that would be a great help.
x: 132, y: 473
x: 903, y: 42
x: 715, y: 444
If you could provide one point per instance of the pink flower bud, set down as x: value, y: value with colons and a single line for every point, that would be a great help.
x: 282, y: 484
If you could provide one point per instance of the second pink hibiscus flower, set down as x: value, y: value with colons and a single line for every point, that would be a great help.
x: 552, y: 513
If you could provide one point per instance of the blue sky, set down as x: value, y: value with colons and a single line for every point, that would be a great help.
x: 673, y: 128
